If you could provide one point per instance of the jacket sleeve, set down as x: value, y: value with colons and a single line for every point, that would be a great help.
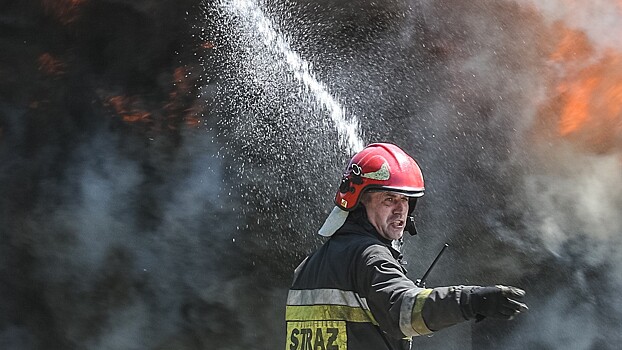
x: 443, y: 307
x: 399, y: 306
x: 390, y: 294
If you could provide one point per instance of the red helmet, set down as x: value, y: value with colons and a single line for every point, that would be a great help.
x: 379, y: 166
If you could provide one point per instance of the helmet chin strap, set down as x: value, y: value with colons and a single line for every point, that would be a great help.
x: 410, y: 226
x: 410, y: 219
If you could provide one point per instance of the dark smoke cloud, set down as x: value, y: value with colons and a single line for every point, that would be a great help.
x: 542, y: 215
x: 114, y: 234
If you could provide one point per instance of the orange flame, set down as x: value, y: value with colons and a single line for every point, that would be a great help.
x: 125, y: 107
x: 131, y: 118
x: 51, y: 65
x: 208, y: 45
x: 593, y: 96
x: 181, y: 107
x: 192, y: 121
x: 178, y: 99
x: 589, y: 91
x: 66, y: 11
x: 180, y: 79
x: 574, y: 45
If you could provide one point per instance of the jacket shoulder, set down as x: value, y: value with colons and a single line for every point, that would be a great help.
x: 378, y: 252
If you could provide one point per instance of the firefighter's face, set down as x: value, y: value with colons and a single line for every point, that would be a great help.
x: 387, y: 212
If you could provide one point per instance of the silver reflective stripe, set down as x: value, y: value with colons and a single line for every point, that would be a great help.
x: 326, y: 297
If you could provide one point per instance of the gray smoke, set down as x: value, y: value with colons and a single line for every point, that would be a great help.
x: 117, y: 231
x: 542, y: 214
x: 180, y: 229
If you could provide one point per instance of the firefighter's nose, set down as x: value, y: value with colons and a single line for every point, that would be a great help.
x: 401, y: 207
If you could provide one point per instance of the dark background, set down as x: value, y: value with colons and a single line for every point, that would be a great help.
x: 162, y: 172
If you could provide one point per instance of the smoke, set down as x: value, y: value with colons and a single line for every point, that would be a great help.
x: 470, y: 90
x: 574, y: 195
x: 579, y: 198
x: 599, y: 19
x: 163, y: 172
x: 118, y: 219
x: 544, y: 213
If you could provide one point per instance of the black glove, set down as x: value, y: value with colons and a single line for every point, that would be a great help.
x: 497, y: 302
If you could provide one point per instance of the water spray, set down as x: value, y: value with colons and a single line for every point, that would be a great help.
x: 348, y: 129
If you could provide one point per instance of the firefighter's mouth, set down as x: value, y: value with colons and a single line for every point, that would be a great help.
x: 398, y: 223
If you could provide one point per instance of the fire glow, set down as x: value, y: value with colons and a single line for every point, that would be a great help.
x: 178, y: 109
x: 51, y: 65
x: 66, y: 11
x: 588, y: 91
x: 126, y: 108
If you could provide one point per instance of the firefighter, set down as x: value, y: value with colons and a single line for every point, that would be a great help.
x: 353, y: 293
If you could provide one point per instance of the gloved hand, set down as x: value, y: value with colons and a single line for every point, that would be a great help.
x: 497, y: 302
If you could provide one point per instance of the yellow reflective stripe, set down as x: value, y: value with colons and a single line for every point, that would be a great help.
x: 328, y: 312
x: 417, y: 318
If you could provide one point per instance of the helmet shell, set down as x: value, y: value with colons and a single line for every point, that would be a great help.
x: 381, y: 166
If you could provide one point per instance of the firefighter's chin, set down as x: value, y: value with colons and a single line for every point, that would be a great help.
x: 395, y: 230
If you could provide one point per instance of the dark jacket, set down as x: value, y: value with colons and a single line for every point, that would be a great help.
x: 353, y: 293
